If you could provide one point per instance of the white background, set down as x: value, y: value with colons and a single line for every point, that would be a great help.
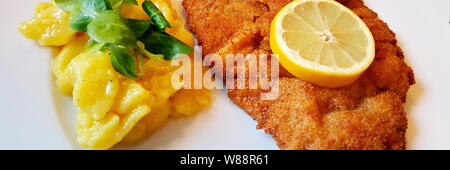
x: 33, y: 115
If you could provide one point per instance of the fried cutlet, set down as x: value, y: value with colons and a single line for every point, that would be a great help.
x: 367, y: 114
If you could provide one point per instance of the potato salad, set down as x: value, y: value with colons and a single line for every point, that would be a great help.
x: 114, y: 59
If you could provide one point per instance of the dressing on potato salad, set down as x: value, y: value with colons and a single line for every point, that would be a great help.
x: 119, y: 101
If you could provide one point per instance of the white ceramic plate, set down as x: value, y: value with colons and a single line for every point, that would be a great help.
x: 33, y: 115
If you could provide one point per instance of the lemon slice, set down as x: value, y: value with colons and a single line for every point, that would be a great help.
x: 322, y: 41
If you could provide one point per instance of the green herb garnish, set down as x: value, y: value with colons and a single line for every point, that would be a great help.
x: 125, y: 39
x: 138, y: 26
x: 155, y: 15
x: 123, y: 61
x: 165, y: 44
x: 110, y: 27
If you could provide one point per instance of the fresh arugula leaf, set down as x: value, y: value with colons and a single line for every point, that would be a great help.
x: 109, y: 27
x: 85, y: 12
x: 123, y: 61
x: 155, y: 15
x: 67, y: 5
x: 165, y: 44
x: 138, y: 26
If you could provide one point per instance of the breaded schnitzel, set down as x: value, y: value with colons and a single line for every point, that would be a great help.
x: 367, y: 114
